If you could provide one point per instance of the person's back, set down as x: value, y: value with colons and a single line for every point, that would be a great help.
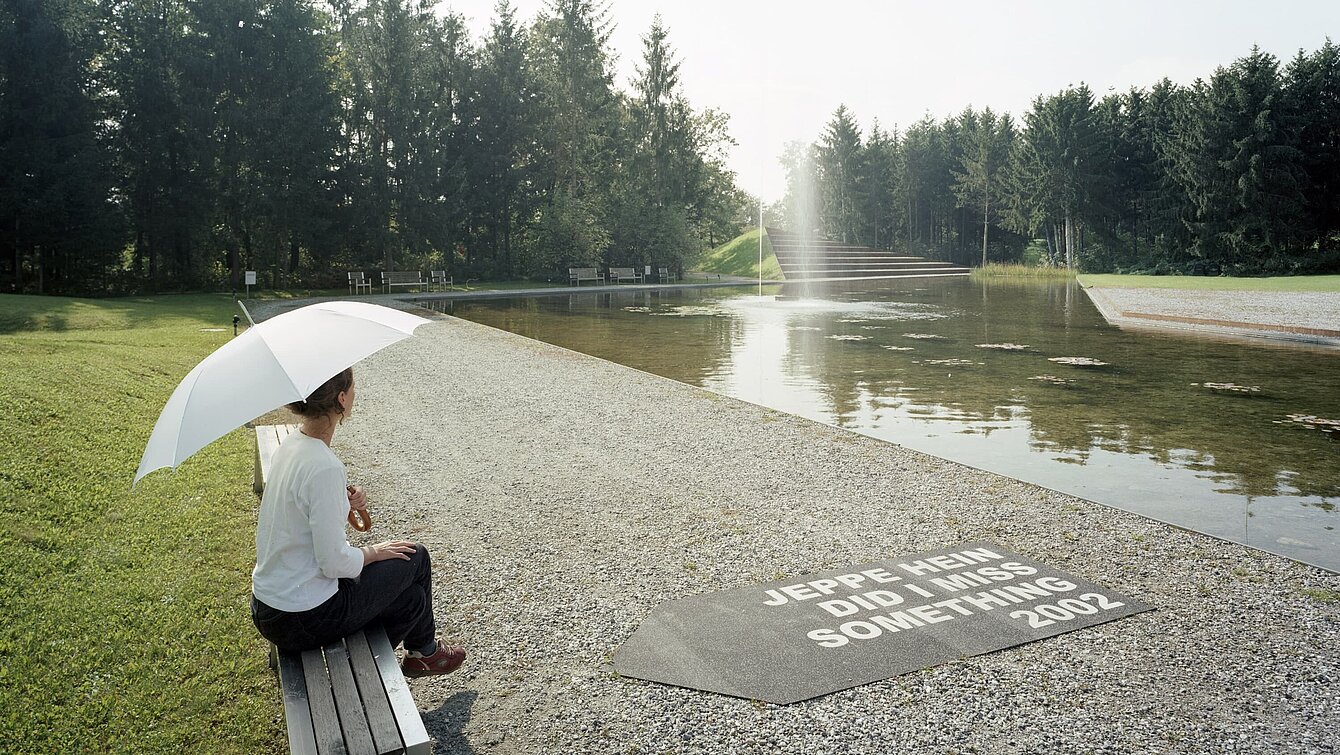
x: 301, y: 551
x: 311, y: 587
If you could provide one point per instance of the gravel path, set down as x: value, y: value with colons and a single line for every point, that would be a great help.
x: 563, y: 497
x: 1301, y: 315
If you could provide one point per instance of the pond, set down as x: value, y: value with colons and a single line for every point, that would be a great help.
x: 1023, y: 378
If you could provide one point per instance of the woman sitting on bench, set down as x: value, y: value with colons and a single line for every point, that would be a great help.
x: 310, y: 587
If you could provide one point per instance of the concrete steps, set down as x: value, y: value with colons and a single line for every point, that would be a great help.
x: 820, y: 259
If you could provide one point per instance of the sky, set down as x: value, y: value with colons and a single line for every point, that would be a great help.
x: 780, y: 68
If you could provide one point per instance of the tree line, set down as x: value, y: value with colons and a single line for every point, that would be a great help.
x: 1237, y: 174
x: 171, y: 144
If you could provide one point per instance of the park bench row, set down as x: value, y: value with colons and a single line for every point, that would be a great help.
x: 578, y: 275
x: 436, y: 280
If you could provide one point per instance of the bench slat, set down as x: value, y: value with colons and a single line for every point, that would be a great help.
x: 325, y: 720
x: 301, y: 739
x: 268, y: 438
x: 407, y: 715
x: 381, y: 721
x: 354, y: 723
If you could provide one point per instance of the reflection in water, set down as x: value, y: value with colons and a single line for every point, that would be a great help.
x: 968, y: 371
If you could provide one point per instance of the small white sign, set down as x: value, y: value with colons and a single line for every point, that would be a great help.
x: 251, y: 277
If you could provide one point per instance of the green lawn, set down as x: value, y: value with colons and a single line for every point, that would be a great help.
x: 1329, y: 283
x: 126, y: 625
x: 739, y: 256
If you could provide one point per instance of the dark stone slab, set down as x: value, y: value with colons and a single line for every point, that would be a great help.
x: 795, y: 639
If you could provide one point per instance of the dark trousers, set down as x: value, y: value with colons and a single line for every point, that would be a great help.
x: 397, y: 594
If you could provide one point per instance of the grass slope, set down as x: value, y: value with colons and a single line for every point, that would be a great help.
x: 1328, y: 283
x: 126, y: 625
x: 739, y: 256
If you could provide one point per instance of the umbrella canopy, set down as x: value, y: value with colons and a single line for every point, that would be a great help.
x: 277, y: 362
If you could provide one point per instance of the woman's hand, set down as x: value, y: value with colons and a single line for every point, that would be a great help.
x: 358, y: 500
x: 390, y: 549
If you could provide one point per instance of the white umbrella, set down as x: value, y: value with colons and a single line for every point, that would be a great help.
x: 277, y: 362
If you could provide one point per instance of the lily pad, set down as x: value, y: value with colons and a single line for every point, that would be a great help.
x: 952, y: 362
x: 1078, y: 361
x: 1005, y: 346
x: 1313, y: 422
x: 1230, y: 388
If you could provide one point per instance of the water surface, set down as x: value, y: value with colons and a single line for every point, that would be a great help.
x: 912, y: 362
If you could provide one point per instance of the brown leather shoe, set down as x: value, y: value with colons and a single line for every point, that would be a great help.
x: 444, y: 660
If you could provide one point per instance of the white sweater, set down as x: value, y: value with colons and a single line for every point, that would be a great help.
x: 301, y: 550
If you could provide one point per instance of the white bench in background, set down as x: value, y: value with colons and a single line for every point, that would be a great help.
x: 359, y: 282
x: 403, y: 278
x: 622, y: 274
x: 578, y: 274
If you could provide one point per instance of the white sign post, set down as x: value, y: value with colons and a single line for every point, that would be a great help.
x: 251, y: 281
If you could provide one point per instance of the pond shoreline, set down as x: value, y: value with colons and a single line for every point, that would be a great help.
x: 1297, y: 316
x: 564, y: 496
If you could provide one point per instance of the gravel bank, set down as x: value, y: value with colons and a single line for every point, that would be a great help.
x: 563, y: 497
x: 1301, y: 315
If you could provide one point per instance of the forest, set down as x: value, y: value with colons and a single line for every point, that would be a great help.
x: 1237, y: 174
x: 161, y: 145
x: 169, y: 145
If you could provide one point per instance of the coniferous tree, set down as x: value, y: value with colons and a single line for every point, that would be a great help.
x: 504, y: 117
x: 58, y: 225
x: 1056, y: 170
x: 988, y: 141
x: 920, y: 167
x: 653, y: 196
x: 297, y: 165
x: 1237, y: 160
x: 156, y: 70
x: 404, y: 177
x: 1313, y: 87
x: 879, y: 209
x: 579, y: 132
x: 840, y: 171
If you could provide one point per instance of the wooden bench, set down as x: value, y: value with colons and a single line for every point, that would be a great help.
x: 622, y: 274
x: 402, y: 278
x: 268, y: 438
x: 578, y: 274
x: 359, y: 282
x: 349, y: 697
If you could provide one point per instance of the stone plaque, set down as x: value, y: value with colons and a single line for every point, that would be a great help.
x: 791, y: 640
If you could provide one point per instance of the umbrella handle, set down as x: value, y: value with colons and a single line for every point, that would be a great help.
x: 360, y: 520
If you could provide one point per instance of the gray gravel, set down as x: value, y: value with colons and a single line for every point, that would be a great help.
x: 1269, y: 314
x: 563, y: 497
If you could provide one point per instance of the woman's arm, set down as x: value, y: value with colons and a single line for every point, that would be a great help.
x: 329, y: 505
